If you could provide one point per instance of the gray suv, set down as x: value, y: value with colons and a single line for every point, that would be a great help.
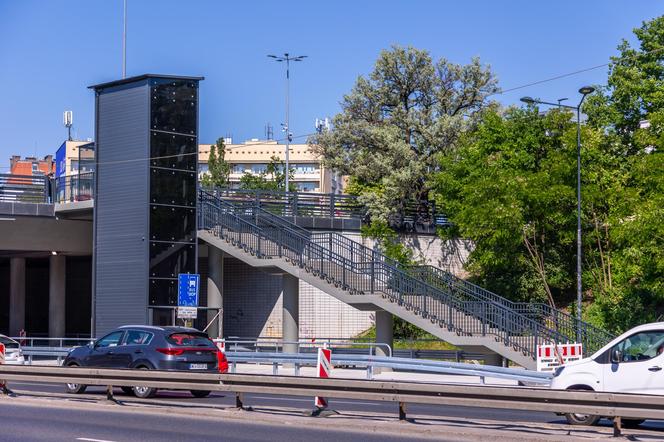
x: 149, y: 348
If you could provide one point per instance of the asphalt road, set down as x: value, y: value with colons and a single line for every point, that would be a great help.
x: 40, y: 423
x: 341, y: 405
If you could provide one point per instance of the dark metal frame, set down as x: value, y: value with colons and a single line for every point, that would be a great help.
x: 449, y: 302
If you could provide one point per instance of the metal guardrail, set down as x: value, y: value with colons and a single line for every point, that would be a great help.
x: 59, y: 353
x: 304, y: 345
x: 46, y: 190
x: 305, y: 204
x: 404, y: 364
x: 24, y: 188
x: 613, y: 405
x: 414, y: 216
x: 35, y: 341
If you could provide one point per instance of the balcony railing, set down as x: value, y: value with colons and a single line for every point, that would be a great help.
x: 24, y: 188
x: 73, y: 188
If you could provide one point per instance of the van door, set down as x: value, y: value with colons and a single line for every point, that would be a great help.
x: 636, y: 364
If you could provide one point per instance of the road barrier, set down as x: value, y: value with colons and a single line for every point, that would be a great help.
x: 550, y: 356
x: 611, y: 405
x: 323, y: 369
x: 298, y: 360
x: 2, y: 361
x: 370, y: 362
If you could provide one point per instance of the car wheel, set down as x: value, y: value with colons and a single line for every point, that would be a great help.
x: 127, y: 390
x: 75, y: 388
x: 144, y: 392
x: 581, y: 419
x: 632, y: 423
x: 200, y: 393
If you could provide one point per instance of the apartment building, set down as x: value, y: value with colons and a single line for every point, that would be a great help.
x: 74, y: 157
x: 254, y: 155
x: 31, y: 165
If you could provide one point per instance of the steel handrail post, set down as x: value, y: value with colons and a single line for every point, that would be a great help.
x: 373, y: 271
x: 484, y: 318
x: 449, y: 312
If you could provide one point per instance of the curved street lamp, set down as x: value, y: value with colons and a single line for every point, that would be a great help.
x: 584, y: 91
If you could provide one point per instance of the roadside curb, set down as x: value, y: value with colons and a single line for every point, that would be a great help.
x: 434, y: 427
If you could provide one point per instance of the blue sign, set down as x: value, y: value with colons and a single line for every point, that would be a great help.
x: 61, y: 160
x: 188, y: 289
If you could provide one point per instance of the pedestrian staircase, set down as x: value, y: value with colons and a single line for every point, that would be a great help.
x: 450, y: 308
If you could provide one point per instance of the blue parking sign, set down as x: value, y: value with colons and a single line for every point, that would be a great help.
x: 188, y: 289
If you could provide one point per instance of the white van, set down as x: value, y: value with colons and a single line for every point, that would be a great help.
x: 631, y: 363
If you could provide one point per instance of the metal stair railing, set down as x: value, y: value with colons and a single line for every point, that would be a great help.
x: 470, y: 315
x: 563, y: 324
x: 593, y: 338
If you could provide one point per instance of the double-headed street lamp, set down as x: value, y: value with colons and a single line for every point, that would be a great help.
x: 289, y: 137
x: 583, y: 91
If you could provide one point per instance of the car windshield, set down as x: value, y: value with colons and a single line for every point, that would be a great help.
x: 9, y: 343
x: 190, y: 340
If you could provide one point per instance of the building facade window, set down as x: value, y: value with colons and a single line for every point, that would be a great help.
x: 258, y: 168
x: 173, y: 177
x: 306, y: 187
x: 305, y: 169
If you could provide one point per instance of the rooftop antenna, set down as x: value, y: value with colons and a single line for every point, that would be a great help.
x: 322, y: 125
x: 269, y: 132
x: 68, y: 121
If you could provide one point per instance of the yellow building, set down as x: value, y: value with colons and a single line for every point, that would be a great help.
x: 254, y: 155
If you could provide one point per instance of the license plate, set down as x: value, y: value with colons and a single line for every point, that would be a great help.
x: 198, y: 366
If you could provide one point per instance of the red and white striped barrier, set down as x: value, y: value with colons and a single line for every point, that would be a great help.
x: 2, y: 361
x: 550, y: 356
x: 221, y: 344
x: 323, y: 368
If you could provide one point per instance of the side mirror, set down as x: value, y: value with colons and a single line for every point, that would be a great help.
x: 616, y: 356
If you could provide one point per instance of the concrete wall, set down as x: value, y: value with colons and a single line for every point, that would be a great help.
x: 32, y: 234
x: 432, y: 250
x: 253, y: 305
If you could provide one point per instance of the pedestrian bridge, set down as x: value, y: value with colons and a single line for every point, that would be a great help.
x: 72, y: 197
x: 297, y: 234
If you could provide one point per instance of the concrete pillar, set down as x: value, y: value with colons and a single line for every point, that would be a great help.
x: 56, y: 296
x: 16, y: 295
x: 384, y: 331
x: 290, y: 296
x: 215, y: 291
x: 494, y: 359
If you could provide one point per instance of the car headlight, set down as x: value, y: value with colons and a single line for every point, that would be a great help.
x: 558, y: 371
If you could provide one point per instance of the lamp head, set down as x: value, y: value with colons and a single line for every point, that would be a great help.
x: 528, y: 100
x: 585, y: 90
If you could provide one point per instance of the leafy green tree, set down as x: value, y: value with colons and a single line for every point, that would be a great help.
x: 510, y: 188
x: 218, y: 169
x: 273, y: 177
x: 633, y: 93
x: 630, y: 112
x: 395, y: 122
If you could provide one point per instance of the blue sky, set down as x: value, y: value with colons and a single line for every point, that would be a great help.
x: 50, y: 51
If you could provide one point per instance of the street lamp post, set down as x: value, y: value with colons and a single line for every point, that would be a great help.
x: 289, y: 137
x: 583, y: 91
